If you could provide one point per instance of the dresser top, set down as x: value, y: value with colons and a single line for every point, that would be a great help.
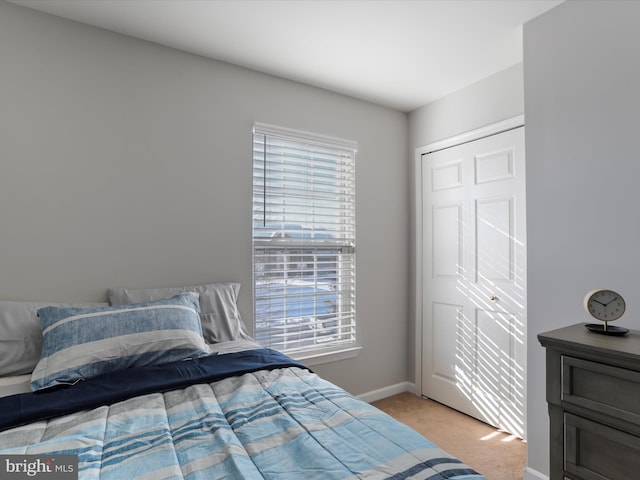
x: 577, y: 337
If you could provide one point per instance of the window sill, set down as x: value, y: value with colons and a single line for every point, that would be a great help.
x: 327, y: 356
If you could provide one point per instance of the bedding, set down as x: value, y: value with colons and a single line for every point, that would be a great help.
x: 219, y: 313
x: 15, y: 384
x: 21, y: 335
x: 239, y: 412
x: 128, y: 336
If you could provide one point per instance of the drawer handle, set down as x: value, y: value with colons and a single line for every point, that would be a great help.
x: 493, y: 298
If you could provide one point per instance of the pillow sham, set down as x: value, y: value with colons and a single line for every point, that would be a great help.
x: 21, y: 335
x: 221, y: 321
x: 79, y: 343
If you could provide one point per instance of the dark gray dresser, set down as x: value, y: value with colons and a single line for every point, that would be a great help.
x: 593, y: 393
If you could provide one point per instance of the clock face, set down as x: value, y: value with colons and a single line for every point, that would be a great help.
x: 604, y: 305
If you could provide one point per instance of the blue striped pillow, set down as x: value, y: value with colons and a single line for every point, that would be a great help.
x: 79, y: 343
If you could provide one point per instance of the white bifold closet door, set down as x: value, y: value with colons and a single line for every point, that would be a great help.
x: 474, y: 291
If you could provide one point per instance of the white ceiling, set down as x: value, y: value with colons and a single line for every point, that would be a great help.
x: 401, y: 54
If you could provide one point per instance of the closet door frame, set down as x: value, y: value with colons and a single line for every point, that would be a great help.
x: 418, y: 260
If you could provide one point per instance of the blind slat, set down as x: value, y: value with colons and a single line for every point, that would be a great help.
x: 304, y: 239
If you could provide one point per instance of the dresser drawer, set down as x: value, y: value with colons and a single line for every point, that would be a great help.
x: 606, y: 389
x: 596, y: 452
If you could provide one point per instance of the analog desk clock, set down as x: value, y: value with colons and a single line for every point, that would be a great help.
x: 606, y: 306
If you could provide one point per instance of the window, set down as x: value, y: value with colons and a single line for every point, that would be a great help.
x: 303, y: 241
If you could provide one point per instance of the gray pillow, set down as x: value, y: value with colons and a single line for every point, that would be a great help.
x: 219, y: 314
x: 21, y: 336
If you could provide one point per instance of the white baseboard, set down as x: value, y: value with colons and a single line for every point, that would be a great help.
x: 389, y: 391
x: 531, y: 474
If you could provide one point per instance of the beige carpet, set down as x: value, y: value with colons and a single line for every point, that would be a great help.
x: 495, y: 454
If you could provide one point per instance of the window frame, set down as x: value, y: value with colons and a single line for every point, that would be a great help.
x: 305, y: 244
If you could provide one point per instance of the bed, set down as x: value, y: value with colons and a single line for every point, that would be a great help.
x: 166, y: 383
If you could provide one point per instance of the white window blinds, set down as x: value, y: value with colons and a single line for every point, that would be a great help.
x: 303, y: 240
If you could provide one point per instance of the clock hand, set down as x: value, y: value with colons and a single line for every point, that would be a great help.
x: 608, y: 302
x: 603, y: 304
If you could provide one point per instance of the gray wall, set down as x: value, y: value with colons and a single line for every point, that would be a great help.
x: 582, y: 99
x: 124, y: 163
x: 495, y: 98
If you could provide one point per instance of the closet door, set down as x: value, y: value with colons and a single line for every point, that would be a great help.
x: 474, y: 305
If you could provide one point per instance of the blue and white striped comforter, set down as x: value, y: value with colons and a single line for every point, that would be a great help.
x: 282, y: 423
